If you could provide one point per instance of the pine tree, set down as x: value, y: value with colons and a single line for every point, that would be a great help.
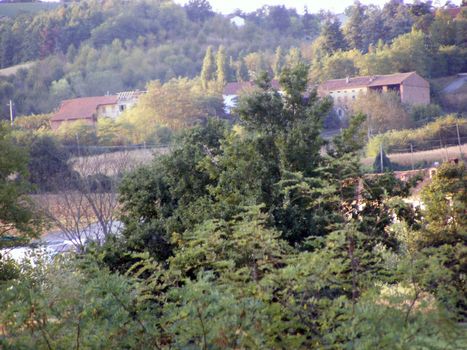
x: 333, y: 39
x: 353, y: 28
x: 207, y: 72
x: 382, y: 159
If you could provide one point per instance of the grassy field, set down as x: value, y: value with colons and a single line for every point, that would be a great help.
x: 15, y: 9
x: 437, y: 155
x: 115, y: 162
x: 13, y: 69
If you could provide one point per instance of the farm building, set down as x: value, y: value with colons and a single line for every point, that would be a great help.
x: 411, y: 87
x: 90, y: 109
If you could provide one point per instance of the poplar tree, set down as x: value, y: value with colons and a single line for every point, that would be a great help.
x: 207, y: 72
x: 278, y: 62
x: 241, y: 73
x: 222, y: 67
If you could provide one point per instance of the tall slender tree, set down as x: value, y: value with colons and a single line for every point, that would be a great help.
x: 221, y: 66
x: 207, y: 72
x: 278, y: 62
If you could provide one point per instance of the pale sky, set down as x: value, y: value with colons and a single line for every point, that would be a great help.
x: 337, y: 6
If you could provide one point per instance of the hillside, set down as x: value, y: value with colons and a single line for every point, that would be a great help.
x: 5, y: 72
x: 93, y: 47
x: 13, y: 10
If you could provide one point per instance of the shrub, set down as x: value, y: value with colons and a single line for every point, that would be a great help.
x: 422, y: 115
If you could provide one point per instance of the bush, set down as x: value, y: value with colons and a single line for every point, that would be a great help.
x: 422, y: 115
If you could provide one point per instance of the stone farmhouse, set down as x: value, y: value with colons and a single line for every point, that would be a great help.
x: 411, y: 87
x: 90, y: 109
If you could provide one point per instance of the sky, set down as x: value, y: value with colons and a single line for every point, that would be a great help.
x: 336, y: 6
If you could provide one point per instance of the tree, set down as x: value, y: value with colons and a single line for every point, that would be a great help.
x: 241, y: 72
x: 279, y: 17
x: 84, y: 206
x: 332, y: 37
x: 411, y: 52
x: 222, y: 68
x: 442, y: 236
x: 353, y: 27
x: 199, y: 10
x: 293, y: 57
x: 48, y: 164
x: 17, y: 212
x: 375, y: 105
x: 278, y: 62
x: 382, y: 163
x: 177, y: 104
x: 256, y: 64
x: 397, y: 19
x: 207, y: 72
x: 171, y: 194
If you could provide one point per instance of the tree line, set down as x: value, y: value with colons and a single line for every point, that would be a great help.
x: 92, y: 47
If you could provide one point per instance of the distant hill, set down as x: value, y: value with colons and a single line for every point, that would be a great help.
x: 13, y: 10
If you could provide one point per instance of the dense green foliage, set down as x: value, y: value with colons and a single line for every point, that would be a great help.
x: 256, y: 235
x: 16, y: 211
x: 252, y: 237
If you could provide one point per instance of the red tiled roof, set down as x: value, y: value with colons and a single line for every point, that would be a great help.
x: 454, y: 12
x: 82, y: 108
x: 365, y: 81
x: 237, y: 87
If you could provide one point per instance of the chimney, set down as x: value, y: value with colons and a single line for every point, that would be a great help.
x: 347, y: 80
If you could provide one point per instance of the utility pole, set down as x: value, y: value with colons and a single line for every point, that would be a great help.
x: 411, y: 156
x: 381, y: 157
x: 12, y: 121
x: 459, y: 140
x: 77, y: 144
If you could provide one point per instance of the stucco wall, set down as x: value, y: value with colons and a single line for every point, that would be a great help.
x: 415, y: 90
x: 110, y: 111
x: 345, y: 97
x: 415, y: 95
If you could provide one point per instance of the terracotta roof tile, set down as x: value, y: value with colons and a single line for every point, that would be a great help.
x: 454, y: 12
x: 82, y: 108
x: 365, y: 81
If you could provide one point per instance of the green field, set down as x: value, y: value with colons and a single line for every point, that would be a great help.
x: 15, y: 9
